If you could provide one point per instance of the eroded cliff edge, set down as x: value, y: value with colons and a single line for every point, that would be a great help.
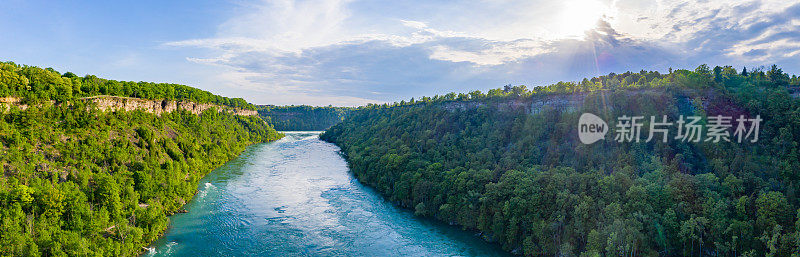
x: 157, y: 107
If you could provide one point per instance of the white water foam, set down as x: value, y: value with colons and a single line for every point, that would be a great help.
x: 169, y: 247
x: 204, y: 191
x: 151, y: 251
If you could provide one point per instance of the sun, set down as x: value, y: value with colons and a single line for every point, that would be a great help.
x: 578, y: 16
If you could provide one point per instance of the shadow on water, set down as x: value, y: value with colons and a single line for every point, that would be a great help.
x: 296, y: 197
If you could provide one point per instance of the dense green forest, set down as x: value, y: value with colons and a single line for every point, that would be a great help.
x: 302, y: 117
x: 77, y: 181
x: 498, y: 164
x: 34, y: 84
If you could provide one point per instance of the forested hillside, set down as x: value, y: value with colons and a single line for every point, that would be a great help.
x: 509, y: 164
x: 77, y: 181
x: 34, y: 85
x: 302, y: 117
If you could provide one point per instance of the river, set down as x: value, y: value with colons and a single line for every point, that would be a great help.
x: 296, y: 197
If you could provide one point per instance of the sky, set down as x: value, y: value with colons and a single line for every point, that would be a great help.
x: 348, y: 53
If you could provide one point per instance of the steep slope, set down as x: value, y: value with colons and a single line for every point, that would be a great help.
x: 510, y: 165
x: 34, y: 85
x: 82, y: 177
x: 114, y: 103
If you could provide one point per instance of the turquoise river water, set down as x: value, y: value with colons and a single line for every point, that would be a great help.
x: 296, y: 197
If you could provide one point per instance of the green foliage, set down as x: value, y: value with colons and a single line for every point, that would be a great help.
x: 501, y: 164
x: 302, y: 117
x: 35, y: 84
x: 81, y: 182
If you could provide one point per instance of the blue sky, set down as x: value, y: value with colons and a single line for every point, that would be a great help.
x: 323, y: 52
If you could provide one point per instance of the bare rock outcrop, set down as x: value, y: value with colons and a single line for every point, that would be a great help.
x: 563, y: 102
x: 7, y: 102
x: 157, y: 107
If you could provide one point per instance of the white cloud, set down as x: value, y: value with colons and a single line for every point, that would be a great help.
x: 290, y: 25
x: 494, y: 53
x: 349, y: 51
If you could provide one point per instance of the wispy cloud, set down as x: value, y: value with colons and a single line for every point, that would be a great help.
x: 351, y: 53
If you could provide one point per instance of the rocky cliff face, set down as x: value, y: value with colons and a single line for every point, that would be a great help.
x: 564, y: 102
x: 571, y: 102
x: 106, y: 103
x: 157, y: 107
x: 7, y: 102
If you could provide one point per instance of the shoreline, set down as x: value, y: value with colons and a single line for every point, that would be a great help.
x: 146, y: 248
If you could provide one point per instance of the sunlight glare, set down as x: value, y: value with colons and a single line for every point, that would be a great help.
x: 577, y: 16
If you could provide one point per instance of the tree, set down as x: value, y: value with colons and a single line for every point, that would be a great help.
x: 772, y: 210
x: 547, y: 194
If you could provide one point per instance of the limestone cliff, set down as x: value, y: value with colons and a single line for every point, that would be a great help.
x: 568, y: 102
x: 110, y: 103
